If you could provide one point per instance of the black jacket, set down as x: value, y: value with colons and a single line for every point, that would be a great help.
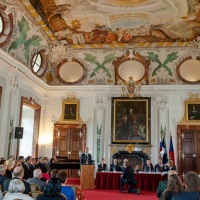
x: 116, y: 168
x: 128, y: 174
x: 86, y: 159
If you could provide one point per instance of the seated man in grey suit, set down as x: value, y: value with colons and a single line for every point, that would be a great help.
x: 86, y: 157
x: 18, y: 173
x: 36, y: 179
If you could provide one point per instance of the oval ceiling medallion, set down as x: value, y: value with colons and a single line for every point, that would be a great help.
x: 131, y: 68
x: 189, y: 71
x: 71, y: 72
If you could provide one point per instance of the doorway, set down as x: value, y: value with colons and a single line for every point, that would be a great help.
x: 188, y: 140
x: 29, y: 120
x: 68, y: 143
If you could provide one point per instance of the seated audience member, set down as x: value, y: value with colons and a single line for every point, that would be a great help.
x: 148, y: 167
x: 115, y: 166
x: 15, y: 164
x: 15, y: 191
x: 36, y: 179
x: 9, y: 165
x: 163, y: 184
x: 192, y: 187
x: 169, y: 166
x: 40, y: 165
x: 3, y: 162
x: 18, y: 173
x: 32, y: 166
x: 174, y: 186
x: 128, y: 178
x: 159, y: 166
x: 65, y: 189
x: 51, y: 191
x: 27, y: 172
x: 2, y: 175
x: 52, y: 162
x: 20, y: 160
x: 54, y: 173
x: 46, y: 164
x: 102, y: 166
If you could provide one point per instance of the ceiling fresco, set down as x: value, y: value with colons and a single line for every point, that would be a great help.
x: 118, y: 22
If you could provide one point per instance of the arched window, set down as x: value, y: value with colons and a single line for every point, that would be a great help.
x: 38, y: 63
x: 6, y: 27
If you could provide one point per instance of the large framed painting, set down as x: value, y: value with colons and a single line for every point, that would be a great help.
x: 192, y: 111
x: 131, y: 120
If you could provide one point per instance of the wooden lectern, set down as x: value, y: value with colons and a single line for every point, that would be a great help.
x: 87, y: 177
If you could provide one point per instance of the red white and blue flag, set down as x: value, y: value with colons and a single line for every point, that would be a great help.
x: 171, y: 151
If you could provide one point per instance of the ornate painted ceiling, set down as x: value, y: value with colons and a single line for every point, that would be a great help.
x: 103, y: 42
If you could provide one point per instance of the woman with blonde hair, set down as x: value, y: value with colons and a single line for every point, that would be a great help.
x: 174, y: 186
x: 15, y: 191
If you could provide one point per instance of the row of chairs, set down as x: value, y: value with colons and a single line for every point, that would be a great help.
x: 35, y: 191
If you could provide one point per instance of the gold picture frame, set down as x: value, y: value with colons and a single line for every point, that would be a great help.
x: 70, y: 111
x: 131, y: 120
x: 192, y: 108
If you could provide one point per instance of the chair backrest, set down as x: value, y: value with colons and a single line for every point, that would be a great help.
x: 4, y: 193
x: 61, y: 194
x: 77, y: 191
x: 35, y: 187
x: 34, y: 194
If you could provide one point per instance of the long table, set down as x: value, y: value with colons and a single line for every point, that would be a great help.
x: 111, y: 180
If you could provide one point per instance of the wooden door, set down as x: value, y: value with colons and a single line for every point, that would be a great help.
x: 69, y: 140
x: 188, y: 140
x: 68, y: 144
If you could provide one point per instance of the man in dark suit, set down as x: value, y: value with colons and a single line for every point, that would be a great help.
x: 27, y: 172
x: 41, y: 165
x: 128, y: 178
x: 2, y: 175
x: 32, y: 166
x: 18, y: 173
x: 86, y: 157
x: 115, y: 166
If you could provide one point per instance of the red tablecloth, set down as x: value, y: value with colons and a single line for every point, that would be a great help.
x: 111, y: 180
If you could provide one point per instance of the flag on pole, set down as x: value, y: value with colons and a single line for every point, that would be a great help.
x: 171, y: 151
x: 160, y: 147
x: 163, y: 153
